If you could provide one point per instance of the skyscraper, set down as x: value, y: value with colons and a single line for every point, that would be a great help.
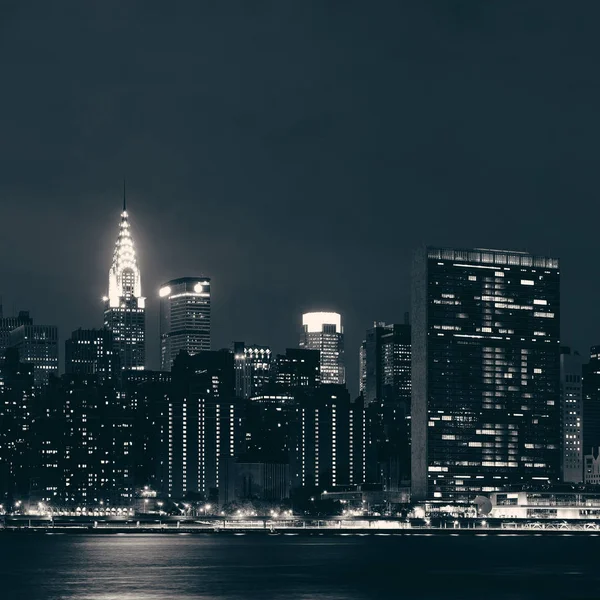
x: 485, y: 373
x: 323, y: 331
x: 572, y: 425
x: 184, y: 318
x: 124, y: 306
x: 252, y: 368
x: 387, y: 396
x: 388, y: 363
x: 38, y: 345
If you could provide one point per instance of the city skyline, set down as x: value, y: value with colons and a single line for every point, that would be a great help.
x: 338, y: 335
x: 229, y: 183
x: 153, y: 299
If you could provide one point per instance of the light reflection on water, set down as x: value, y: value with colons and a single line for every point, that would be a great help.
x: 255, y: 567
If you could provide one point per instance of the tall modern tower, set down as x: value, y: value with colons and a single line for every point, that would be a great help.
x: 184, y: 318
x: 571, y: 383
x: 486, y: 408
x: 323, y: 331
x: 124, y: 306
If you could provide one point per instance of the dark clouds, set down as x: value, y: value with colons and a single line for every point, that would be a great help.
x: 296, y: 152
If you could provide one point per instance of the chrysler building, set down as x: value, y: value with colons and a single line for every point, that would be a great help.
x: 124, y: 306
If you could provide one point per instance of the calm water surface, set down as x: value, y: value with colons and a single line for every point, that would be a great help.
x: 157, y: 567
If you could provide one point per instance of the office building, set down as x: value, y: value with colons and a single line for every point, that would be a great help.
x: 323, y: 331
x: 90, y: 352
x: 485, y: 408
x: 388, y: 364
x: 252, y: 369
x: 37, y: 345
x: 297, y: 369
x: 591, y: 403
x: 572, y: 415
x: 124, y: 306
x: 184, y: 318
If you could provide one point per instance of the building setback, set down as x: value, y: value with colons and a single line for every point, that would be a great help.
x: 184, y: 318
x: 485, y: 373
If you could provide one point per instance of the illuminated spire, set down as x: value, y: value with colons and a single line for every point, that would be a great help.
x: 124, y: 276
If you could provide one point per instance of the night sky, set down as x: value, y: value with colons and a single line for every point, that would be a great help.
x: 295, y: 152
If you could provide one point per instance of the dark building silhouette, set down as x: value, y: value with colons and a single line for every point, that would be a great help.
x: 296, y: 369
x: 37, y: 345
x: 571, y: 388
x: 244, y: 480
x: 486, y: 372
x: 17, y: 397
x: 8, y: 324
x: 184, y: 318
x: 91, y: 352
x: 386, y: 356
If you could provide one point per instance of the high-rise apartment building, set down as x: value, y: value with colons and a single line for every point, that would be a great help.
x: 323, y: 331
x: 571, y: 385
x: 204, y: 423
x: 90, y: 352
x: 486, y: 372
x: 124, y: 306
x: 184, y: 318
x: 37, y: 345
x: 252, y: 368
x: 322, y: 442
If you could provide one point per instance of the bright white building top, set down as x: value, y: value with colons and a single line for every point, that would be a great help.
x: 315, y: 321
x: 124, y: 280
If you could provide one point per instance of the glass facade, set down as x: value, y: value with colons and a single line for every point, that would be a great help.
x: 486, y: 372
x: 323, y: 331
x: 184, y: 318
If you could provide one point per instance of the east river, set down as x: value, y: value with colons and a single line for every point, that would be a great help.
x: 178, y: 566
